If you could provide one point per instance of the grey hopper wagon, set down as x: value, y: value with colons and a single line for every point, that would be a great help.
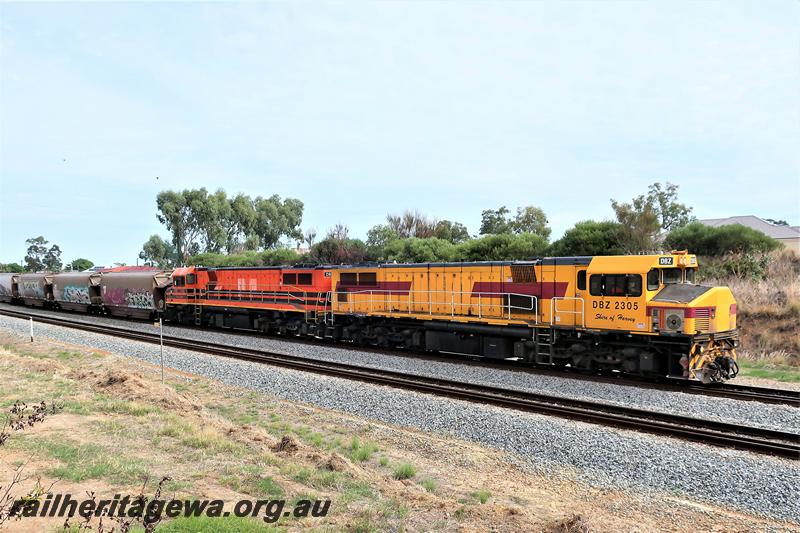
x: 35, y: 289
x: 134, y: 294
x: 9, y: 289
x: 77, y: 291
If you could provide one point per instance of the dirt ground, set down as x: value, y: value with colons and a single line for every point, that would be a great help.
x: 118, y: 426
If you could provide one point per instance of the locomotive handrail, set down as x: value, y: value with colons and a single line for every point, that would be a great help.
x: 388, y: 303
x: 554, y: 310
x: 301, y: 295
x: 455, y: 300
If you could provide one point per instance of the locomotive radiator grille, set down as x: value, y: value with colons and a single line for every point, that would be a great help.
x: 702, y: 319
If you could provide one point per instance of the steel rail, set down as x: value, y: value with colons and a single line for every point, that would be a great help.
x: 711, y: 432
x: 727, y: 390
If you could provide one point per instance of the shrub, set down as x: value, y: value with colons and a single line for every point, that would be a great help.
x: 279, y: 256
x: 590, y: 238
x: 338, y: 251
x: 706, y: 240
x: 741, y: 266
x: 503, y: 247
x: 414, y: 250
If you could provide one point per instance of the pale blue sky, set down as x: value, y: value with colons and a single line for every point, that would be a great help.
x: 360, y: 109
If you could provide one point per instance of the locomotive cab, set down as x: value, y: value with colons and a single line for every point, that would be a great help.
x: 690, y: 326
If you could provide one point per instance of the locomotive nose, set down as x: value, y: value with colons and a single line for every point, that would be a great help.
x: 712, y: 316
x: 711, y: 312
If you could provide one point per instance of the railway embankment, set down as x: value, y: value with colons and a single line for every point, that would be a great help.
x: 215, y: 427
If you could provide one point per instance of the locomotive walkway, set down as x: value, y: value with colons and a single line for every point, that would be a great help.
x: 712, y: 432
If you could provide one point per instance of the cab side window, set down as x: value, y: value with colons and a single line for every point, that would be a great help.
x: 652, y: 280
x: 615, y: 285
x: 178, y: 281
x: 596, y: 285
x: 581, y: 280
x: 191, y: 279
x: 633, y: 285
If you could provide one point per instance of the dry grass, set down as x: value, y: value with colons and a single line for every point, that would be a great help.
x: 769, y: 310
x: 778, y: 294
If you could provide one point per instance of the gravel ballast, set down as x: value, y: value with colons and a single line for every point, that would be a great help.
x: 756, y: 414
x: 595, y: 455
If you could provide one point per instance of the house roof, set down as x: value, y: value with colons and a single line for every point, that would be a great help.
x: 776, y: 232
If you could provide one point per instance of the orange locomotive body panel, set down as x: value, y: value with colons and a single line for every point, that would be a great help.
x: 496, y: 292
x: 268, y: 288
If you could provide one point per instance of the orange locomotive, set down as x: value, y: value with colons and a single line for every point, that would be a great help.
x: 269, y: 299
x: 641, y: 315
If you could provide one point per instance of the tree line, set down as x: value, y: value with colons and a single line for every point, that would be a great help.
x: 217, y: 230
x: 42, y: 256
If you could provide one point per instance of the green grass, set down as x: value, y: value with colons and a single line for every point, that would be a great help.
x: 111, y: 426
x: 429, y: 485
x: 315, y: 439
x: 212, y: 442
x: 173, y: 485
x: 356, y: 491
x: 253, y: 484
x: 89, y: 461
x: 66, y: 356
x: 318, y: 479
x: 324, y: 479
x: 267, y: 486
x: 482, y: 496
x: 766, y: 370
x: 76, y: 407
x: 205, y: 524
x: 361, y: 451
x: 104, y: 404
x: 237, y: 414
x: 175, y: 426
x: 384, y: 461
x: 301, y: 475
x: 404, y: 471
x: 364, y: 523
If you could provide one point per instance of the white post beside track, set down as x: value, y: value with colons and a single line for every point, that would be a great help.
x: 31, y: 329
x: 161, y: 339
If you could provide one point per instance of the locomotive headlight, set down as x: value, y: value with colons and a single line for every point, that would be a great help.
x: 674, y: 322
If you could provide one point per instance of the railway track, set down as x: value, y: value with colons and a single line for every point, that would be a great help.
x: 712, y: 432
x: 726, y: 390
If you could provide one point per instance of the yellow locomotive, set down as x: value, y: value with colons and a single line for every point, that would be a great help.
x: 640, y: 314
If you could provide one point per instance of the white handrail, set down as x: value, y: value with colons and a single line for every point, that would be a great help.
x: 554, y: 310
x: 388, y: 304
